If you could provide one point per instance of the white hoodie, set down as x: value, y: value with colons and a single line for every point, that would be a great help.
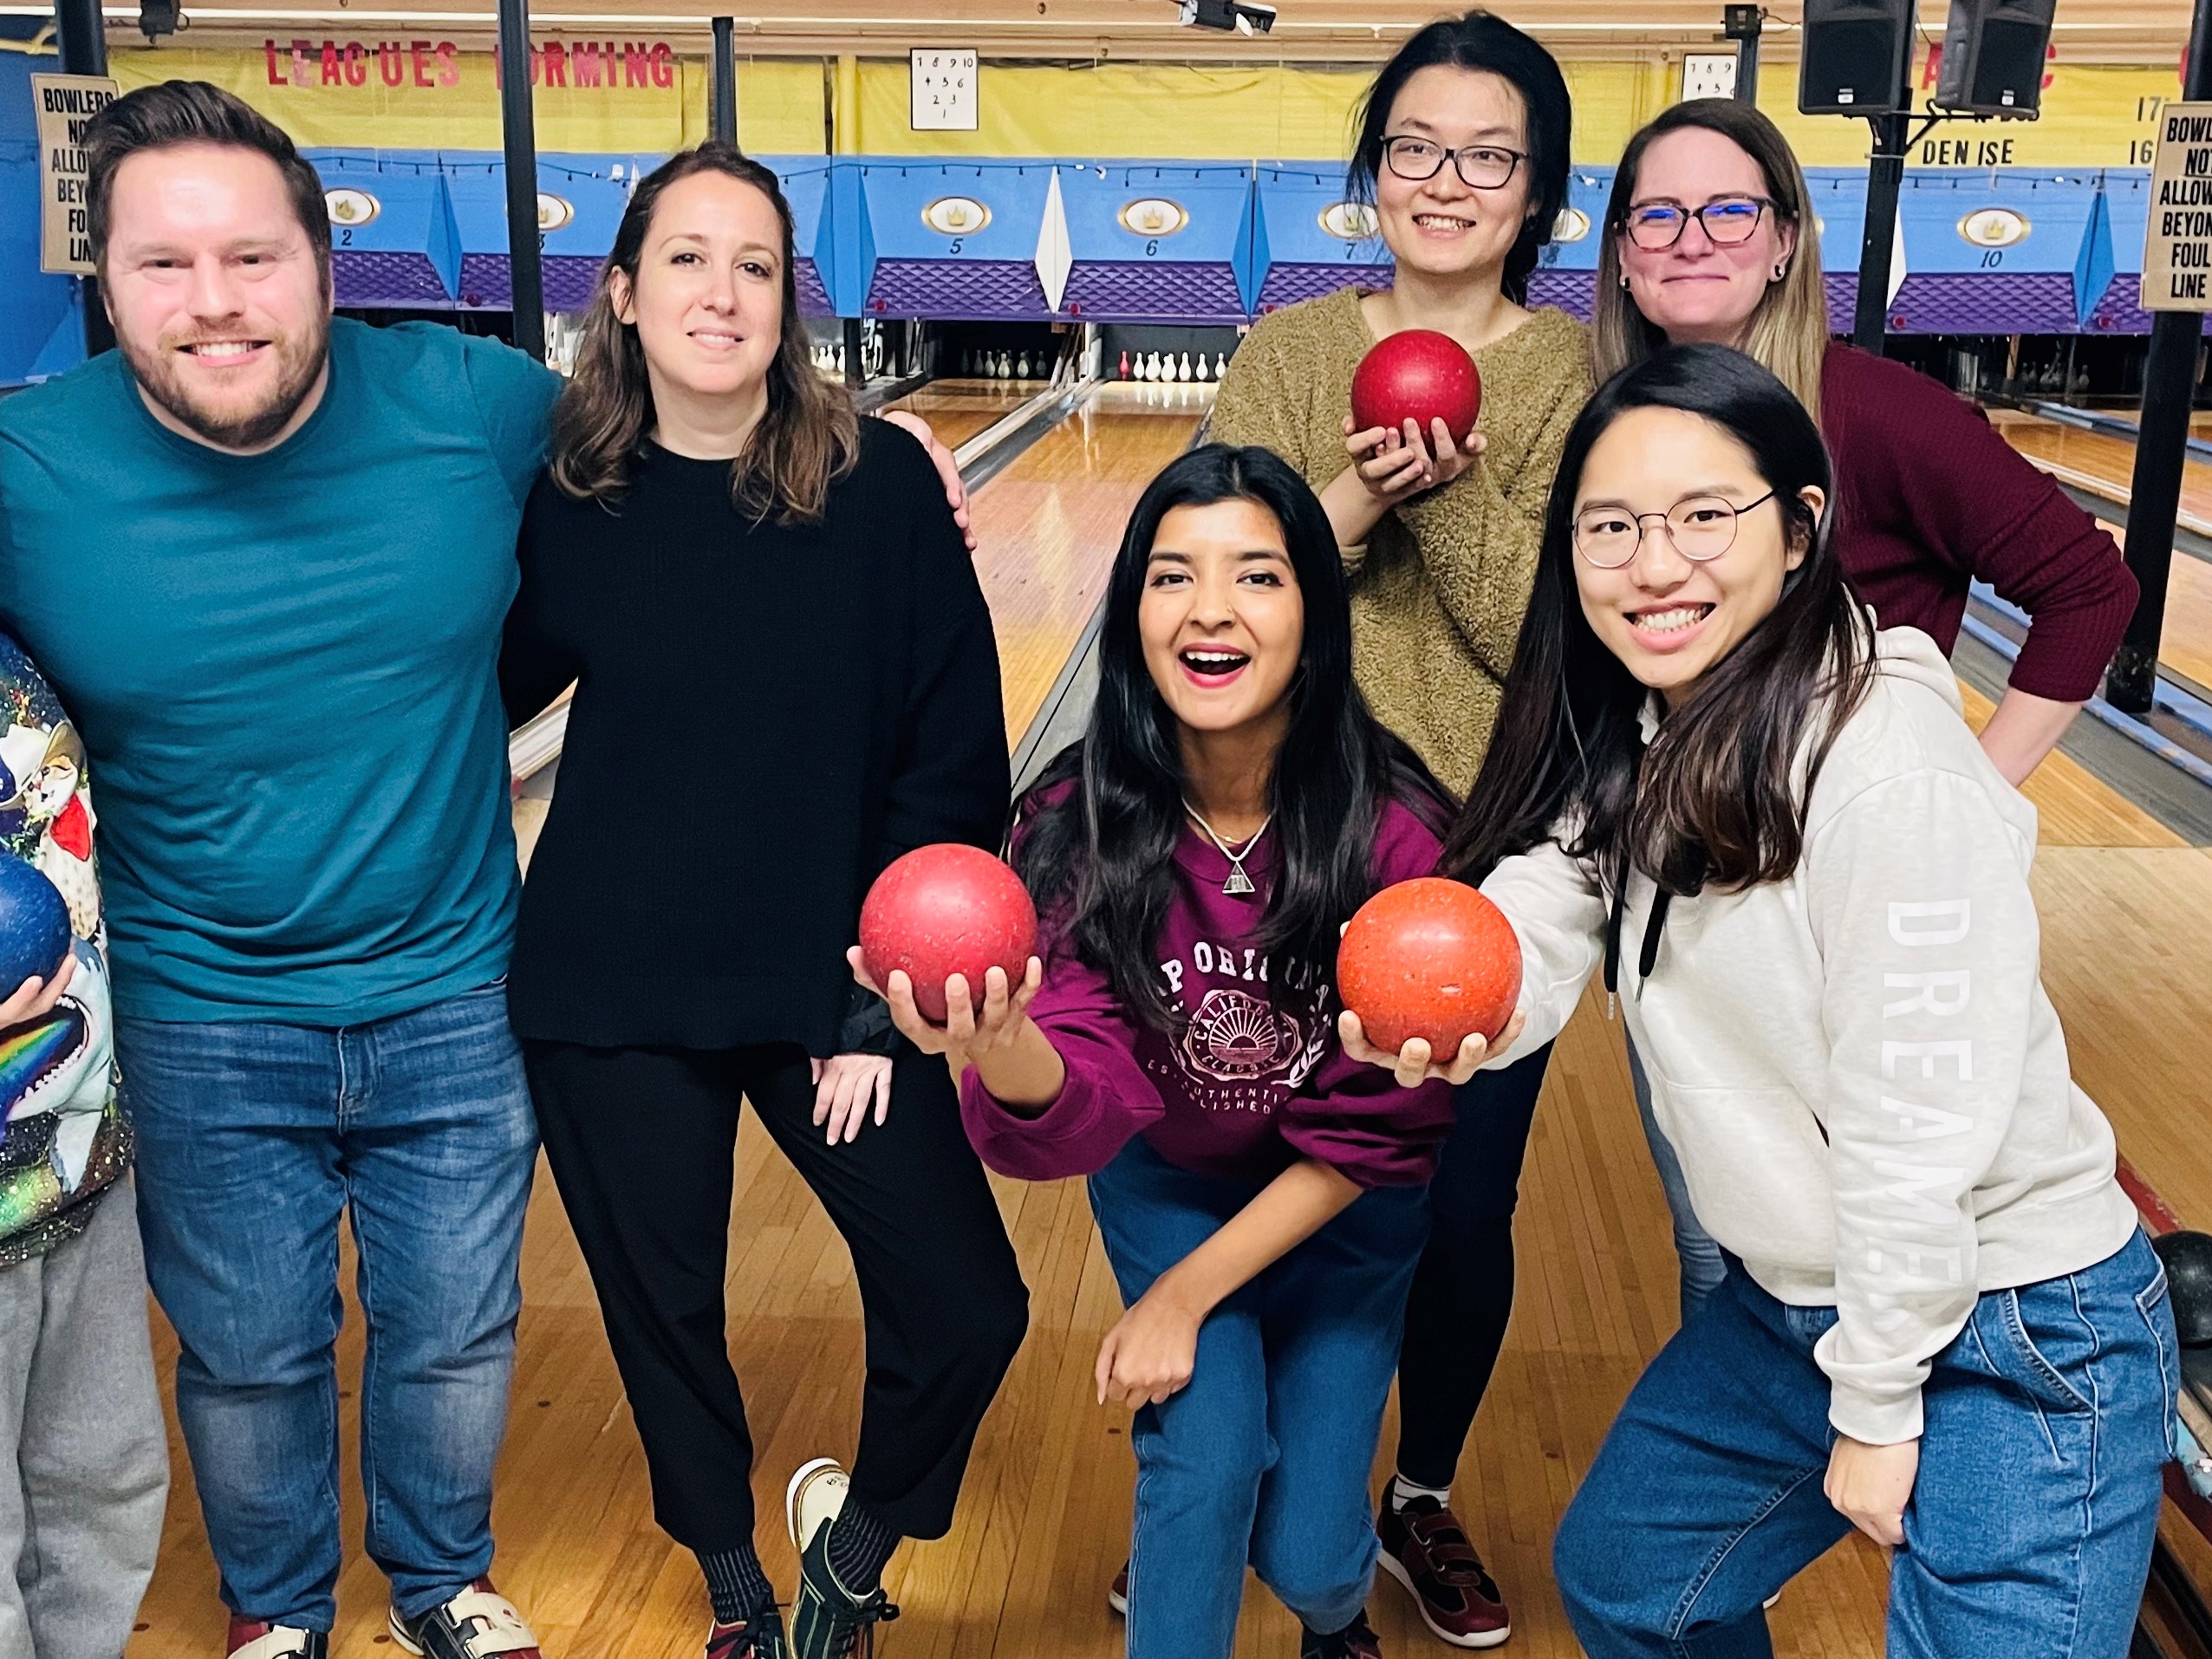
x: 1857, y: 1066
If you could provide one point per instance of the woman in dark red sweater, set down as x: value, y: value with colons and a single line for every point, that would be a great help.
x: 1702, y: 243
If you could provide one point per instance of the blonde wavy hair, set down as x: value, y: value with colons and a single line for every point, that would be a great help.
x: 1788, y: 335
x: 809, y: 438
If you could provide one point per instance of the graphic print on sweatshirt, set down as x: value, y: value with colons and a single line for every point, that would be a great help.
x: 1243, y: 1041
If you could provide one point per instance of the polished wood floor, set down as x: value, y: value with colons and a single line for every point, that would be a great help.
x: 2126, y: 906
x: 956, y: 410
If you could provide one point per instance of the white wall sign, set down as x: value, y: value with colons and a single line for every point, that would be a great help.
x: 1709, y: 75
x: 65, y: 103
x: 943, y: 84
x: 2177, y: 243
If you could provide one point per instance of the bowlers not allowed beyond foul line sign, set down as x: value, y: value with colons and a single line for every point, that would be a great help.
x: 2177, y: 244
x: 65, y: 103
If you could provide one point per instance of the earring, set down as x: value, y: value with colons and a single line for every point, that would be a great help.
x: 1780, y: 271
x: 1624, y: 282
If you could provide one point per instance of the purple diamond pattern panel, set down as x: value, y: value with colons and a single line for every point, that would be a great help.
x: 1287, y: 283
x: 1143, y: 290
x: 2117, y: 311
x: 1574, y: 292
x: 568, y: 278
x: 1843, y: 299
x: 367, y: 279
x: 814, y: 298
x: 1972, y: 302
x: 981, y: 290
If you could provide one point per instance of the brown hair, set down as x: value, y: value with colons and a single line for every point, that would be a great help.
x: 809, y: 437
x: 172, y: 113
x: 1789, y: 331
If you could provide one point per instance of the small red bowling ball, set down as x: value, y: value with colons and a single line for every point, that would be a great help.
x: 1421, y: 375
x: 943, y: 910
x: 1432, y: 958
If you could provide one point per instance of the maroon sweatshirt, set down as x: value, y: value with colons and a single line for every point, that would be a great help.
x: 1931, y: 497
x: 1250, y: 1078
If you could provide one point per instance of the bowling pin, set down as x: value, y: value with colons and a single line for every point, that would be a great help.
x: 1220, y: 364
x: 1021, y: 367
x: 1182, y: 368
x: 1152, y: 368
x: 1124, y: 371
x: 1205, y: 369
x: 1005, y: 365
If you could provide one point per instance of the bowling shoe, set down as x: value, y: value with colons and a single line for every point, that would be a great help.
x: 478, y: 1624
x: 828, y: 1620
x: 1354, y: 1641
x: 1425, y: 1549
x: 255, y: 1639
x: 1117, y: 1593
x: 755, y: 1638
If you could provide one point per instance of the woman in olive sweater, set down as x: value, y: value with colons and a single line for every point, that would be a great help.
x: 785, y: 678
x: 1463, y: 153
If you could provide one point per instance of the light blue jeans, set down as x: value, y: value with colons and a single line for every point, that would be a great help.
x: 1696, y: 1252
x: 1265, y: 1457
x: 252, y: 1139
x: 2030, y: 1526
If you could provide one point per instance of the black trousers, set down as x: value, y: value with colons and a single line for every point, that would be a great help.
x: 1463, y: 1291
x: 642, y: 1145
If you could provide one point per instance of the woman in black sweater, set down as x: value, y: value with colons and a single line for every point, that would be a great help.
x: 785, y: 678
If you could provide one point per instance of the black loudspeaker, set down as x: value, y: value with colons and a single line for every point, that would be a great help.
x: 1857, y: 57
x: 1993, y: 56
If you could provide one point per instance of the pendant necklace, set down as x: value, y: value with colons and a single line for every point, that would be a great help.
x: 1239, y: 882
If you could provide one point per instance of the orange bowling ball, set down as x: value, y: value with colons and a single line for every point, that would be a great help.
x: 1432, y: 958
x: 1420, y: 375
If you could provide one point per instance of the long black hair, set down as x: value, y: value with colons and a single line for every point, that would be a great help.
x: 1718, y: 797
x: 1101, y: 824
x: 1481, y: 40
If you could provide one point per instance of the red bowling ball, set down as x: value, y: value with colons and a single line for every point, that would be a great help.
x: 1431, y: 958
x: 943, y: 910
x: 1420, y: 375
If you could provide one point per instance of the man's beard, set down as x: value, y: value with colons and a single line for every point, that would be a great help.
x: 300, y: 360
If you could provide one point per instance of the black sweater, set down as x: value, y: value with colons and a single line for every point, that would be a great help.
x: 765, y: 715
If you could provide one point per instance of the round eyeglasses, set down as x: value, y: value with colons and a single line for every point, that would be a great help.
x: 1481, y: 166
x: 1726, y: 221
x: 1701, y: 527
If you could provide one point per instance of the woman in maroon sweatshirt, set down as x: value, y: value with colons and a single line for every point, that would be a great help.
x: 1703, y: 241
x: 1262, y: 1198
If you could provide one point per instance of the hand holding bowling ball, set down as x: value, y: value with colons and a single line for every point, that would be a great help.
x: 1415, y: 398
x: 1429, y: 972
x: 945, y: 938
x: 35, y: 955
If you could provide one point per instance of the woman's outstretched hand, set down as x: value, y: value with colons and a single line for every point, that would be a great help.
x: 842, y: 1086
x: 1394, y: 465
x: 1412, y: 1064
x: 1150, y: 1353
x: 969, y: 1030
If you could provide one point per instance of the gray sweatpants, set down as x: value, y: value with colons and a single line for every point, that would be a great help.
x: 84, y: 1462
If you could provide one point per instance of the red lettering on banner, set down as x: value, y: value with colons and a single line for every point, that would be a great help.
x: 300, y: 52
x: 390, y: 65
x: 663, y: 65
x: 637, y: 68
x: 449, y: 72
x: 556, y: 64
x: 415, y: 50
x: 585, y: 57
x: 332, y: 74
x: 357, y: 67
x: 269, y: 51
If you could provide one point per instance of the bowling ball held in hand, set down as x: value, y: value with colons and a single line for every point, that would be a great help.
x: 1421, y: 376
x: 942, y: 910
x: 1431, y: 958
x: 34, y: 925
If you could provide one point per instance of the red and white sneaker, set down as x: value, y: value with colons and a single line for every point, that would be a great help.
x: 478, y: 1624
x: 1117, y: 1593
x: 256, y: 1638
x: 1425, y: 1549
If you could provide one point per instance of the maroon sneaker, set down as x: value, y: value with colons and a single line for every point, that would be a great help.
x: 1117, y: 1593
x: 757, y: 1638
x: 256, y: 1638
x: 1354, y: 1641
x: 1425, y: 1549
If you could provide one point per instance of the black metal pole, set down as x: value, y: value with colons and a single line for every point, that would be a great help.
x: 1885, y: 172
x: 2161, y: 447
x: 723, y: 80
x: 518, y: 129
x: 78, y: 27
x: 1742, y: 24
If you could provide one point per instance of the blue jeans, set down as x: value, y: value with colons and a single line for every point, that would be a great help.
x: 1265, y: 1457
x: 2028, y: 1535
x: 1696, y: 1252
x: 251, y: 1138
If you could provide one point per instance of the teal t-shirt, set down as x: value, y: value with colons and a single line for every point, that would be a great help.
x: 283, y: 667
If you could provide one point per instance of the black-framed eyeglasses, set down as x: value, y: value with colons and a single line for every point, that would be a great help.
x: 1701, y: 527
x: 1481, y: 166
x: 1728, y: 220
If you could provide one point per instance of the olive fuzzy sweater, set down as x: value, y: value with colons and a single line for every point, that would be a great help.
x: 1439, y: 589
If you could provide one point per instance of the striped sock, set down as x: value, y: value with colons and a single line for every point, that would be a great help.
x: 735, y: 1584
x: 860, y: 1544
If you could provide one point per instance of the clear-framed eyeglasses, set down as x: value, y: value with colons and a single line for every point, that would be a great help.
x: 1481, y: 166
x: 1701, y: 527
x: 1727, y: 221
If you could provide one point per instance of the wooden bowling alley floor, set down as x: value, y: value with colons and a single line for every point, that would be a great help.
x: 956, y: 410
x: 2126, y: 906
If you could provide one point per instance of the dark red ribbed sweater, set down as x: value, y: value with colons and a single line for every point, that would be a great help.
x: 1930, y: 498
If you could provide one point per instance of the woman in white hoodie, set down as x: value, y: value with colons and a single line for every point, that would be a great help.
x: 1770, y: 826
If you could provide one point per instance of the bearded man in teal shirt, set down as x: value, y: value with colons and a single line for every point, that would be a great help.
x: 264, y: 555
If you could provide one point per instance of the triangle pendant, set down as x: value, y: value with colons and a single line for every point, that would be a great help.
x: 1239, y: 882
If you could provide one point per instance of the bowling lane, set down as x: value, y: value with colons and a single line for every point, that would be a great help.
x: 958, y: 409
x: 1046, y: 528
x: 2099, y: 463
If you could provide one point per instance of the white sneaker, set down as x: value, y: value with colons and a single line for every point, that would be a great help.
x: 815, y: 1497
